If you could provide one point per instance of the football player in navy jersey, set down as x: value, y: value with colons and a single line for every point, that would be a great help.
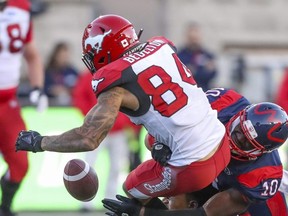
x: 253, y: 176
x: 148, y: 82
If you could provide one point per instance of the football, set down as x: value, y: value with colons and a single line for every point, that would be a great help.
x: 80, y: 180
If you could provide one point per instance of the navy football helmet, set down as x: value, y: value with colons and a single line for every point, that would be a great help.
x: 264, y: 126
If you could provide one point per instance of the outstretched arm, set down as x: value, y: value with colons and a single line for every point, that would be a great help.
x: 132, y: 207
x: 97, y: 123
x: 227, y: 203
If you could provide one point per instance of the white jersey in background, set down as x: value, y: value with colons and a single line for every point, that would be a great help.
x: 15, y: 31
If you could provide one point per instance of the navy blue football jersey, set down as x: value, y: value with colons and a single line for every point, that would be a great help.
x: 258, y: 179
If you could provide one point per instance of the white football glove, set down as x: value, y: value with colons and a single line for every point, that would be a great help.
x: 38, y: 98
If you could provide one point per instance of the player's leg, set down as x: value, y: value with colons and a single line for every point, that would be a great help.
x: 200, y: 174
x: 139, y: 183
x: 134, y: 147
x: 118, y: 151
x: 150, y: 179
x: 11, y: 123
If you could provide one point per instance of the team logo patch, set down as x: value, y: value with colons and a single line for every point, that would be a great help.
x: 95, y: 84
x: 163, y: 185
x: 96, y: 42
x: 228, y: 171
x: 124, y: 43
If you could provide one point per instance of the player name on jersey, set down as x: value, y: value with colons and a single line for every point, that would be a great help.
x: 149, y: 48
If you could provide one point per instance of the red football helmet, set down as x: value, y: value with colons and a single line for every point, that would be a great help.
x: 263, y: 128
x: 106, y: 39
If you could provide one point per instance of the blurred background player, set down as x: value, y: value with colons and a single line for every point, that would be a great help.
x: 116, y: 142
x: 282, y: 100
x: 197, y: 58
x: 282, y: 94
x: 60, y: 74
x: 16, y: 41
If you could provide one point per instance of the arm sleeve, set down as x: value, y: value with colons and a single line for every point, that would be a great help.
x: 29, y: 35
x: 260, y: 184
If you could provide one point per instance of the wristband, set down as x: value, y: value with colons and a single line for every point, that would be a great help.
x: 37, y: 146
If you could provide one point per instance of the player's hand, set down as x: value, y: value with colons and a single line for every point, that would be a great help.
x: 38, y: 98
x: 161, y: 153
x: 29, y: 141
x: 122, y: 206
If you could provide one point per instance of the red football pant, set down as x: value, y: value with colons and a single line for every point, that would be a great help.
x: 150, y: 179
x: 11, y: 123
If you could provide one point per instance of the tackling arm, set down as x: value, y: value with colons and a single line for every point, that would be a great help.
x: 226, y: 203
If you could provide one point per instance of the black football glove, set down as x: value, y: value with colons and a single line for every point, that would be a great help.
x: 29, y: 141
x: 161, y: 153
x: 123, y: 207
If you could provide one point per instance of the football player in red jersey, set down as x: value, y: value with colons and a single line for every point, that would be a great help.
x: 16, y: 41
x: 148, y: 82
x: 253, y: 176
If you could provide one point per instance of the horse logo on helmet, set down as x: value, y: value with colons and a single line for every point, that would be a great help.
x: 96, y: 41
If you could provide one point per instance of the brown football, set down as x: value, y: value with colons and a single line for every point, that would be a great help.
x: 80, y: 180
